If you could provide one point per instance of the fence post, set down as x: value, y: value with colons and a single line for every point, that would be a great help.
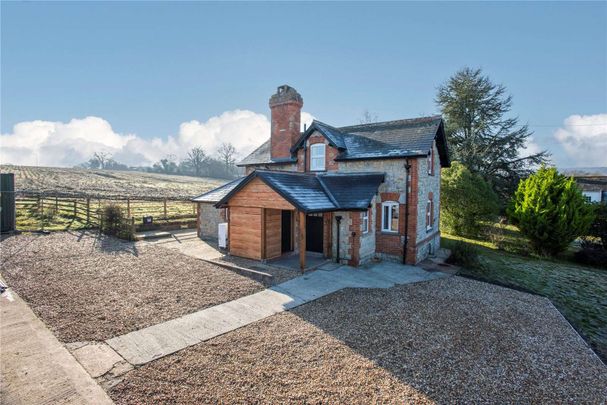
x: 88, y: 210
x: 133, y: 226
x: 56, y: 204
x: 165, y: 209
x: 128, y: 207
x: 75, y: 212
x: 40, y: 210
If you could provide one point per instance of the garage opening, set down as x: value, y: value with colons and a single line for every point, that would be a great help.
x: 314, y: 233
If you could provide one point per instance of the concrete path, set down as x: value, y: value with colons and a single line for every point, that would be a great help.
x: 36, y: 367
x: 159, y: 340
x: 188, y: 243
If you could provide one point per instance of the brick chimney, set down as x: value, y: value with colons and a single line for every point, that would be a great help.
x: 285, y: 107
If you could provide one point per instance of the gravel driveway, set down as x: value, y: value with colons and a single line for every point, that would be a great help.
x: 449, y: 340
x: 86, y: 287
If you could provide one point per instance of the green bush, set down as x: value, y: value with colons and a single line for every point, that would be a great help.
x: 466, y: 201
x: 593, y: 257
x: 463, y: 254
x: 114, y: 222
x: 596, y: 237
x: 550, y: 211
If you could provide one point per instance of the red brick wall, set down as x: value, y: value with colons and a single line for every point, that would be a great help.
x: 388, y: 243
x: 412, y: 204
x: 354, y: 239
x: 286, y: 118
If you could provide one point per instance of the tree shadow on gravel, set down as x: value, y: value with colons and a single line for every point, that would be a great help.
x: 107, y: 244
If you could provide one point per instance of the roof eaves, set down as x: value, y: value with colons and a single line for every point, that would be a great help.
x: 223, y: 186
x: 320, y: 127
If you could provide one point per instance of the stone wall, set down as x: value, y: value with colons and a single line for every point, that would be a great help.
x: 428, y: 240
x: 344, y: 231
x: 208, y: 219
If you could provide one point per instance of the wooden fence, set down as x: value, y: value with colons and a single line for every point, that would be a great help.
x: 57, y: 211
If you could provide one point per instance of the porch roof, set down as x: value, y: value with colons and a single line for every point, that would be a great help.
x: 317, y: 192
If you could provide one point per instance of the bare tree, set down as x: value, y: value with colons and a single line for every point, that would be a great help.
x: 99, y: 160
x: 227, y: 154
x: 368, y: 118
x: 196, y: 160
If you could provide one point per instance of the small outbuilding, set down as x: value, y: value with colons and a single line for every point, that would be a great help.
x: 208, y: 217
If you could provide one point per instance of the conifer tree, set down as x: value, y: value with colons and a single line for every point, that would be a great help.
x: 550, y: 211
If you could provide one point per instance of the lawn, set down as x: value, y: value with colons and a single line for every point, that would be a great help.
x: 579, y: 292
x: 90, y: 287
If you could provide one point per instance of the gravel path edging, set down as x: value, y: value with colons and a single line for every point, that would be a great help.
x: 580, y: 337
x: 526, y: 291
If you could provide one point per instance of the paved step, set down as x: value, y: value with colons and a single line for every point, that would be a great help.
x: 36, y: 367
x: 159, y: 340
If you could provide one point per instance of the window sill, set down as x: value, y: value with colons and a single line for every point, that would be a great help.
x: 391, y: 233
x: 429, y: 229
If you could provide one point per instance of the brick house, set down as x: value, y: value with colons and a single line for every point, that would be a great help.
x: 351, y: 194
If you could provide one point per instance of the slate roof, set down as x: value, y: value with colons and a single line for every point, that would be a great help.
x: 381, y: 140
x: 317, y: 193
x: 218, y: 193
x: 592, y: 183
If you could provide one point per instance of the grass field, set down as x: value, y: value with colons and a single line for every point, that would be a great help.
x: 579, y: 292
x: 108, y: 182
x: 39, y: 207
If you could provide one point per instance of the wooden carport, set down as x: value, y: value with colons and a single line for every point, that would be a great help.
x: 254, y: 226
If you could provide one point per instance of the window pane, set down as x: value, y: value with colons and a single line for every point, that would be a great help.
x: 394, y: 226
x: 317, y: 157
x: 386, y: 217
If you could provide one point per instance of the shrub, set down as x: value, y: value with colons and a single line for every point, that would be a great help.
x: 593, y: 257
x: 113, y: 222
x: 463, y: 254
x: 596, y: 237
x: 550, y: 211
x: 466, y: 201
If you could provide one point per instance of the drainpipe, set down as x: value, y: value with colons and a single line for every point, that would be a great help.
x: 407, y: 168
x: 305, y: 162
x: 338, y: 219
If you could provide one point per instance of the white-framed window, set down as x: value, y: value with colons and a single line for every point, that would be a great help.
x: 429, y: 215
x: 389, y: 216
x: 365, y: 221
x: 317, y: 157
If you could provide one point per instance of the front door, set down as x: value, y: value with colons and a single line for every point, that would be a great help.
x: 286, y: 231
x: 314, y: 240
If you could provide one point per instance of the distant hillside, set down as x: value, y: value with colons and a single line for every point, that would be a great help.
x: 108, y: 182
x: 585, y: 171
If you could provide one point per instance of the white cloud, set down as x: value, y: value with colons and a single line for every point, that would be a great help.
x: 47, y: 143
x: 531, y: 148
x: 584, y: 139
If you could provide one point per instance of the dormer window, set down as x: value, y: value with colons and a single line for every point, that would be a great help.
x: 317, y: 157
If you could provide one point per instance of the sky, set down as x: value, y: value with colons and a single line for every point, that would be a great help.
x: 144, y: 80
